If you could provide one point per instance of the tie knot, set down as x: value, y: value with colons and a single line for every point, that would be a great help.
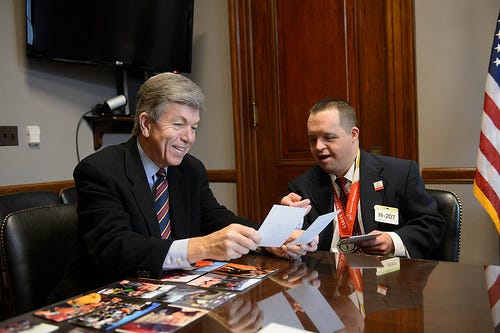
x: 342, y: 181
x: 161, y: 173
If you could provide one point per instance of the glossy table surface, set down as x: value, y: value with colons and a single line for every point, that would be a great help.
x: 405, y: 296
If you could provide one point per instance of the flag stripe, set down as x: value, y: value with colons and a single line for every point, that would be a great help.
x: 487, y: 190
x: 490, y: 154
x: 491, y: 109
x: 492, y: 276
x: 488, y: 180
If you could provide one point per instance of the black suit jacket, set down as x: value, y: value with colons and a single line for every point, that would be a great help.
x: 420, y: 227
x: 118, y: 231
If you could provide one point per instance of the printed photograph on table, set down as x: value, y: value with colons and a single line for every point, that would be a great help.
x: 180, y: 275
x: 116, y: 314
x: 28, y: 327
x: 244, y: 270
x: 197, y: 297
x: 141, y: 289
x: 207, y: 265
x: 225, y: 282
x: 165, y: 319
x: 76, y: 307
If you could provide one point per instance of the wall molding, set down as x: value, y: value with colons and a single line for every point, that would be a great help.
x: 449, y: 175
x: 214, y: 176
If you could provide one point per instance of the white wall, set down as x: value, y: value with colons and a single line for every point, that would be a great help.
x: 453, y: 45
x: 55, y: 95
x: 453, y: 40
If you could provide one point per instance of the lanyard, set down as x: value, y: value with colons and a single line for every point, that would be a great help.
x: 356, y: 278
x: 347, y: 218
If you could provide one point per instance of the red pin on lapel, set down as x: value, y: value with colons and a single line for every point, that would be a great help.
x: 378, y: 185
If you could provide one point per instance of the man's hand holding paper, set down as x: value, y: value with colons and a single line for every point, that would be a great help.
x: 280, y: 234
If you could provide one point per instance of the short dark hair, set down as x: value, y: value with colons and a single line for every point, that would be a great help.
x: 347, y: 115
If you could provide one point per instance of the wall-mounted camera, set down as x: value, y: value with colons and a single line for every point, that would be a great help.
x: 110, y: 105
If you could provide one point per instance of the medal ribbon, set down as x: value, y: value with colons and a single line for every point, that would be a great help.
x: 347, y: 218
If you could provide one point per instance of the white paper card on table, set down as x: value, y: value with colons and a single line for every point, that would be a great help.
x: 317, y: 308
x: 315, y: 228
x: 279, y: 224
x: 276, y: 309
x: 280, y: 328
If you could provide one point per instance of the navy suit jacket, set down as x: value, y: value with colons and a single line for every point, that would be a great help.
x: 118, y: 231
x: 420, y: 227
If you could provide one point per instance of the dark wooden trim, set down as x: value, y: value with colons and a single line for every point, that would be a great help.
x: 448, y: 175
x: 214, y: 176
x: 46, y: 186
x: 222, y: 176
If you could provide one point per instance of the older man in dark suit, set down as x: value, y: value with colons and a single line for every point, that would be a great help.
x: 121, y: 232
x: 374, y: 194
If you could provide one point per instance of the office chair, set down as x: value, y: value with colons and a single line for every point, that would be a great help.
x: 12, y: 202
x: 450, y: 207
x: 68, y: 195
x: 36, y: 244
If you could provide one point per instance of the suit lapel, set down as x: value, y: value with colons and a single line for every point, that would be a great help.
x: 370, y: 172
x: 320, y: 190
x: 140, y: 186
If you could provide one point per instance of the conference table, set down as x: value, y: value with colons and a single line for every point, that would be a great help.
x: 393, y: 295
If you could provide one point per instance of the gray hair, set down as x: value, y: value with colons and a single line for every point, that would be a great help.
x: 347, y: 115
x: 159, y: 90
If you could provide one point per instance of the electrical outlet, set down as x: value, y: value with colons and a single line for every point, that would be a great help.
x: 8, y: 136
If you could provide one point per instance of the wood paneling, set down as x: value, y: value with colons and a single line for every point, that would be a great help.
x: 448, y: 175
x: 214, y: 176
x: 45, y: 186
x: 288, y: 54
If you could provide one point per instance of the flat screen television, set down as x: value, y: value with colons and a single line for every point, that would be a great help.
x: 146, y: 35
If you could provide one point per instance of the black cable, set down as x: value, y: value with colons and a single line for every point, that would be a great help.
x: 77, y: 131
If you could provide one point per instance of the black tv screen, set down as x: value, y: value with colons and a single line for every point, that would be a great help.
x: 150, y: 35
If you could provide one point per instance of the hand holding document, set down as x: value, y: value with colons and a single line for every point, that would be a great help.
x: 314, y: 229
x: 349, y: 244
x: 281, y: 221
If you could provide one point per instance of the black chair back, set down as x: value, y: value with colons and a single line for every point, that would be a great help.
x: 68, y: 195
x: 36, y: 244
x: 13, y: 202
x: 450, y: 207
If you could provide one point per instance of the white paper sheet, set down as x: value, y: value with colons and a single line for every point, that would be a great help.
x: 317, y: 308
x: 315, y: 228
x: 276, y: 309
x: 279, y: 224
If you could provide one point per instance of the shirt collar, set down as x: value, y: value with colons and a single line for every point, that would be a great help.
x: 149, y: 166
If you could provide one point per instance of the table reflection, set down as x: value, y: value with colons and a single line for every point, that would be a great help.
x: 324, y: 292
x: 352, y: 287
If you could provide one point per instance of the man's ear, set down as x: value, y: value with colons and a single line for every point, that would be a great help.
x: 145, y: 124
x: 355, y: 133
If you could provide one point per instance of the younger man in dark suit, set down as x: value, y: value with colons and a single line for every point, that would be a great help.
x: 383, y: 194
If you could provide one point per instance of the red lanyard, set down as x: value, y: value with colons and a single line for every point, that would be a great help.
x: 347, y: 218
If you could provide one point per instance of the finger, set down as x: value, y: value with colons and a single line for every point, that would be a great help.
x: 249, y: 233
x: 242, y: 236
x: 294, y: 197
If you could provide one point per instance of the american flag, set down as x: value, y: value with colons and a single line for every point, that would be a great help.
x: 487, y: 177
x: 492, y: 274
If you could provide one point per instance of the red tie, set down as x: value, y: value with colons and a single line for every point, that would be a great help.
x: 160, y: 188
x: 344, y: 194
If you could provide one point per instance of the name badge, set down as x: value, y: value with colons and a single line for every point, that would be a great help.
x: 386, y: 214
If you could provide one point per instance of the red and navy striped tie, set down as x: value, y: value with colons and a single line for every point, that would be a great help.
x: 161, y: 202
